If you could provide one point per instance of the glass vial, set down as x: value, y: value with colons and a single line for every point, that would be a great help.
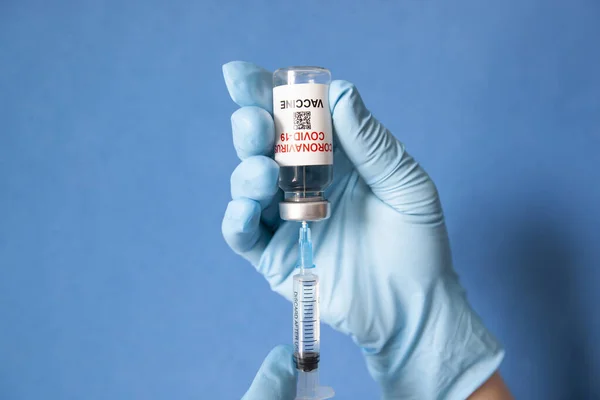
x: 304, y: 141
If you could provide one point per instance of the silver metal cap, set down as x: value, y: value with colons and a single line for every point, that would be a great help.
x: 305, y: 210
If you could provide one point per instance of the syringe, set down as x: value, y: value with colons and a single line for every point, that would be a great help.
x: 307, y: 323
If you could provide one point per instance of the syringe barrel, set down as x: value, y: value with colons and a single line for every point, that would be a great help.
x: 306, y: 321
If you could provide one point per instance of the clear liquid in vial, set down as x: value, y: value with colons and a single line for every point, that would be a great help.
x: 308, y: 179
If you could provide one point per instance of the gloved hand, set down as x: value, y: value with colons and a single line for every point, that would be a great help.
x: 276, y: 378
x: 383, y: 256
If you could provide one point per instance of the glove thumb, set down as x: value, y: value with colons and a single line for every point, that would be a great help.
x: 391, y: 173
x: 276, y: 378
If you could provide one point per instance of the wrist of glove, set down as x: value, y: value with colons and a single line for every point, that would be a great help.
x: 426, y: 361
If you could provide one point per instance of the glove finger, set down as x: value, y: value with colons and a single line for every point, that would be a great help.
x: 270, y: 214
x: 276, y: 378
x: 243, y: 231
x: 253, y: 132
x: 392, y: 174
x: 249, y: 85
x: 256, y: 178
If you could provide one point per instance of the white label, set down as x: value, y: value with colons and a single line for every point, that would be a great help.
x: 303, y: 131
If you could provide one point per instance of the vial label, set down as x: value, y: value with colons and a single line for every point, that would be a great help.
x: 303, y: 127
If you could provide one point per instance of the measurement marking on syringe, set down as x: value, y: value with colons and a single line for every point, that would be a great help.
x: 306, y: 307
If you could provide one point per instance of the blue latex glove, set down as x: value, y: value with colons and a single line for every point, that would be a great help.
x: 276, y: 378
x: 383, y: 256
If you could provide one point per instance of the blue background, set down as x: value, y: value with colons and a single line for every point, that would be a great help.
x: 116, y: 151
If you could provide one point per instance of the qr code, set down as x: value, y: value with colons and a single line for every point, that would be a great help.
x: 302, y: 120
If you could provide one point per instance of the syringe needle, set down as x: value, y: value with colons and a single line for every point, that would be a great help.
x: 305, y: 247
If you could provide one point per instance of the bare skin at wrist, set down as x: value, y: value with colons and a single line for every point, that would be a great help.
x: 493, y: 389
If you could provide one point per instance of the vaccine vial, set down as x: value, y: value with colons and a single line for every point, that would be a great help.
x: 304, y: 141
